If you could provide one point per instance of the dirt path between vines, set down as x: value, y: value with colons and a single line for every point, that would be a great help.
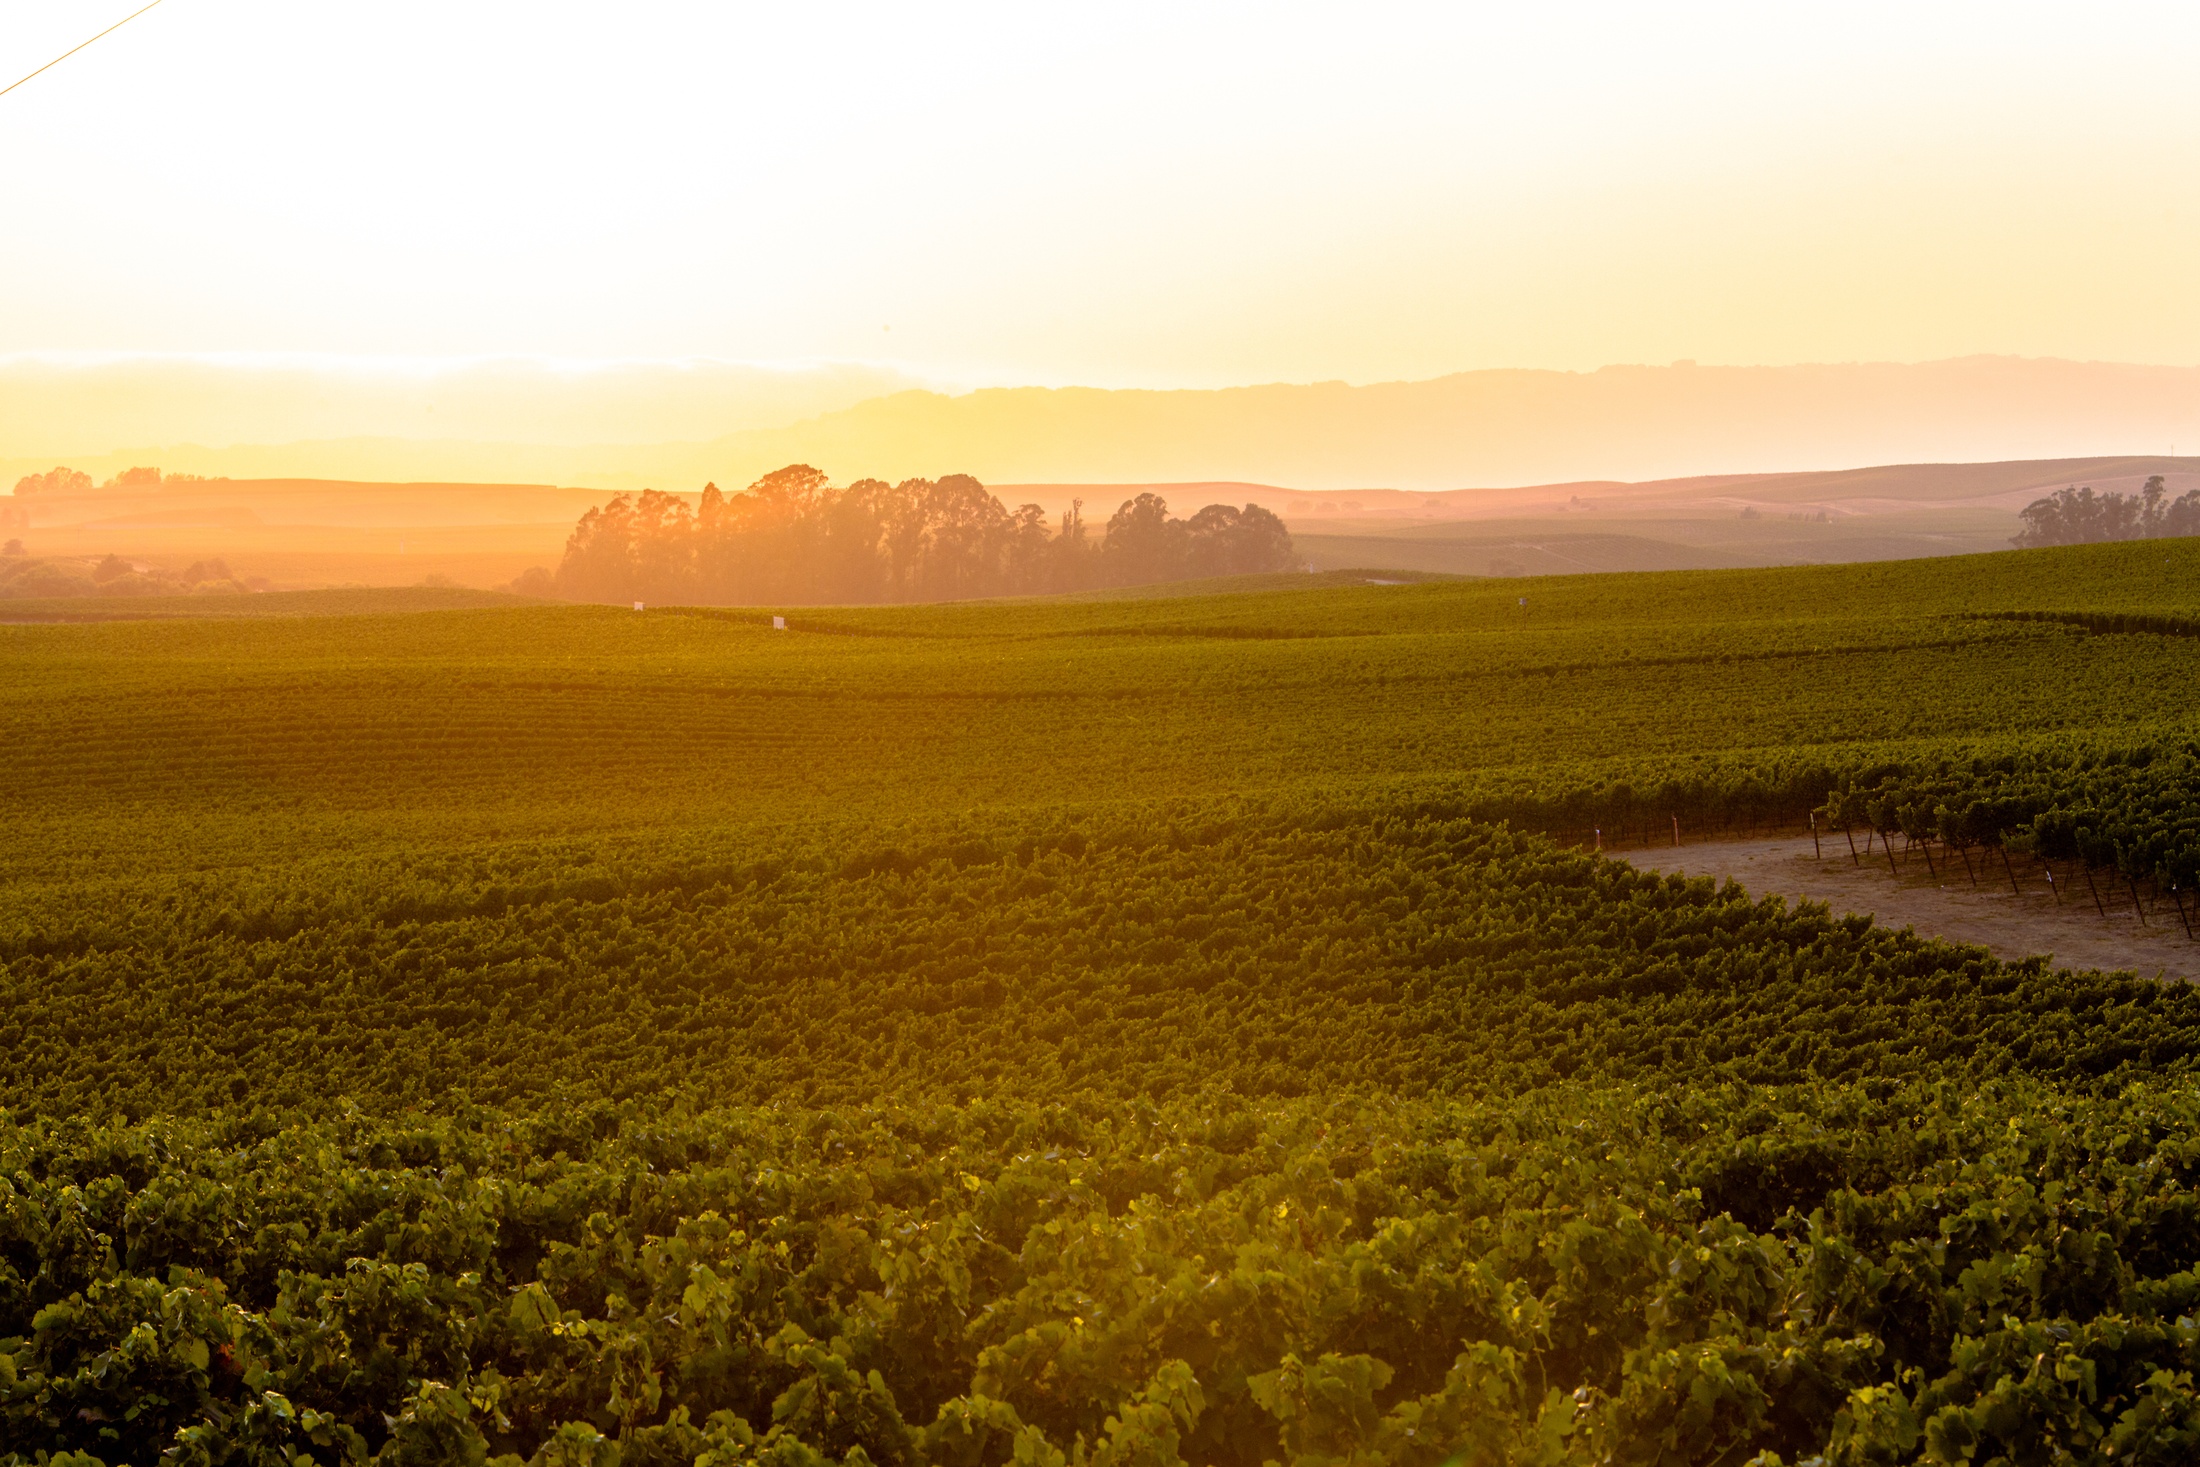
x: 1946, y: 904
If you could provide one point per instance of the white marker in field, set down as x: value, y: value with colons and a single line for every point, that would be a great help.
x: 637, y: 606
x: 779, y: 623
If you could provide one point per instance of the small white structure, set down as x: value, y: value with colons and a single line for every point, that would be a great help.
x: 637, y: 606
x: 779, y: 623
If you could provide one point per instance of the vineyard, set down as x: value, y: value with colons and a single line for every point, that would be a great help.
x: 1165, y: 1028
x: 1689, y: 1275
x: 1278, y: 953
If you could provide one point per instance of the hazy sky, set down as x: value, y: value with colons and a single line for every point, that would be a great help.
x: 1174, y: 194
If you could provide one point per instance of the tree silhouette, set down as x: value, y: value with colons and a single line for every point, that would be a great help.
x: 2078, y: 516
x: 792, y: 538
x: 59, y: 481
x: 1144, y: 544
x: 1223, y: 541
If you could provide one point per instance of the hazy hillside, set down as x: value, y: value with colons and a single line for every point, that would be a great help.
x: 1890, y: 512
x: 317, y: 532
x: 1495, y: 427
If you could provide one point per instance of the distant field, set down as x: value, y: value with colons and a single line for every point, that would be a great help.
x: 1647, y: 540
x: 304, y: 557
x: 304, y: 533
x: 514, y: 717
x: 517, y: 717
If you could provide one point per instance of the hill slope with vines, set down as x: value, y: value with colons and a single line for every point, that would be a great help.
x: 1108, y: 1031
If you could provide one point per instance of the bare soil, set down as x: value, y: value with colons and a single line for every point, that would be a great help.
x: 1974, y: 904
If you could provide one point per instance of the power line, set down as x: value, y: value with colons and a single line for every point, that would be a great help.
x: 118, y: 25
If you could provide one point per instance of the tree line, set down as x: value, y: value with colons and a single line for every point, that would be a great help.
x: 2076, y: 516
x: 65, y: 480
x: 794, y: 538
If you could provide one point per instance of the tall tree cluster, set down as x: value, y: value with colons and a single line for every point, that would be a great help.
x: 60, y: 481
x: 65, y: 480
x: 793, y: 538
x: 2077, y: 516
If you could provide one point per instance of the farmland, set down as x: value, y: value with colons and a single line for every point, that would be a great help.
x: 440, y: 1027
x: 525, y: 720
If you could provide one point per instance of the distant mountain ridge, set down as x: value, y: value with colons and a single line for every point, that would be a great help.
x: 1516, y: 427
x: 1630, y: 424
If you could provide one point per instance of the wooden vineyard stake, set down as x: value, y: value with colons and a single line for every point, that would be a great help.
x: 2179, y: 898
x: 1887, y: 845
x: 1676, y: 830
x: 1927, y: 848
x: 1965, y: 852
x: 2142, y: 911
x: 1854, y: 859
x: 2013, y: 873
x: 1600, y: 837
x: 1821, y: 855
x: 2051, y: 886
x: 2089, y: 886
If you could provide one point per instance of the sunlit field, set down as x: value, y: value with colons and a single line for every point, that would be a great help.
x: 355, y: 721
x: 1161, y: 1026
x: 1140, y: 736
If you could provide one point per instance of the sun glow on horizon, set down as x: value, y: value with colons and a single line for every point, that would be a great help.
x: 1172, y: 196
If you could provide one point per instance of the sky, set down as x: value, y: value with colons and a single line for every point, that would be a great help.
x: 1178, y: 195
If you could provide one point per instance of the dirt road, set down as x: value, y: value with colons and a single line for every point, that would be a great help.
x: 1946, y: 903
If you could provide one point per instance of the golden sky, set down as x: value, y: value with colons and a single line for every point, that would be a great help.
x: 1129, y: 195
